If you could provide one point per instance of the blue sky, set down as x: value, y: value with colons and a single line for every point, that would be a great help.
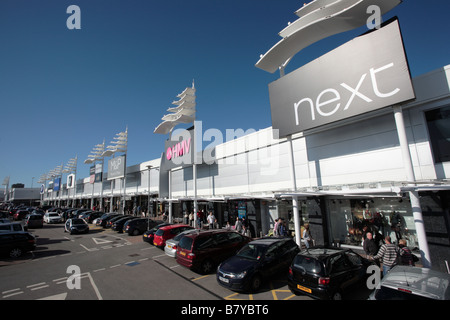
x: 63, y: 91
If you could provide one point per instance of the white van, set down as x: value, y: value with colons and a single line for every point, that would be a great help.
x: 11, y: 227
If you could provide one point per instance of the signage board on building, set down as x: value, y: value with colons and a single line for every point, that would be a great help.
x: 70, y: 181
x: 367, y: 73
x: 98, y: 172
x: 57, y: 184
x: 116, y: 167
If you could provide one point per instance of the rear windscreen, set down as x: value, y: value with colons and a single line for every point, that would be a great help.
x: 185, y: 243
x: 308, y: 264
x: 385, y: 293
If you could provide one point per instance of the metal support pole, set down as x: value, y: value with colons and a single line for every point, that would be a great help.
x: 413, y: 195
x: 295, y: 211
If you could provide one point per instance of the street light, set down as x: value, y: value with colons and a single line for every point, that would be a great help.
x: 119, y: 144
x: 71, y: 166
x: 94, y: 156
x: 184, y: 112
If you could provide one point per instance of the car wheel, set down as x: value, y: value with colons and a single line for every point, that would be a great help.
x: 337, y: 295
x: 15, y: 253
x: 135, y: 232
x: 255, y: 283
x: 207, y: 266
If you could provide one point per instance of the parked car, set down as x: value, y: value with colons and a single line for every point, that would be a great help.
x: 138, y: 226
x: 34, y: 221
x: 168, y: 232
x: 14, y: 244
x: 149, y: 234
x: 11, y: 227
x: 20, y: 215
x: 76, y: 225
x: 110, y: 222
x: 413, y: 283
x: 326, y: 273
x: 204, y: 250
x: 171, y: 245
x: 118, y: 224
x: 90, y: 216
x: 256, y: 261
x: 105, y: 218
x: 52, y: 217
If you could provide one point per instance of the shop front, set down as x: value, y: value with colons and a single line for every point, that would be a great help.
x: 352, y: 219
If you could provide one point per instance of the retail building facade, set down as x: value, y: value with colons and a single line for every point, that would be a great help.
x: 349, y: 175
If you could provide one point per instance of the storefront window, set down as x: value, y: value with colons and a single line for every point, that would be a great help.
x: 351, y: 219
x: 439, y: 128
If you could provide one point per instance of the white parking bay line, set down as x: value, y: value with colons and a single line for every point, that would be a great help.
x: 10, y: 293
x: 36, y: 285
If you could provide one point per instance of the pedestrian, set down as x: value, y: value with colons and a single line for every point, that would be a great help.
x: 275, y: 228
x: 211, y: 220
x: 238, y: 225
x: 369, y: 245
x: 246, y: 231
x: 388, y: 254
x: 191, y: 219
x: 199, y: 219
x: 282, y: 229
x: 306, y: 236
x: 406, y: 256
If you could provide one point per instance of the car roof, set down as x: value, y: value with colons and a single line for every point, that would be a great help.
x: 171, y: 226
x: 420, y: 281
x: 208, y: 232
x: 269, y: 241
x: 321, y: 253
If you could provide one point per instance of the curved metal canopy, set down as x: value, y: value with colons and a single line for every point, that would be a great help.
x: 183, y: 113
x: 318, y: 20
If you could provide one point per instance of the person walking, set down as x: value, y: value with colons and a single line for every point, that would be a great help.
x: 306, y: 236
x: 369, y: 245
x: 238, y: 225
x: 275, y: 227
x: 211, y: 220
x: 406, y: 256
x: 191, y: 219
x: 388, y: 254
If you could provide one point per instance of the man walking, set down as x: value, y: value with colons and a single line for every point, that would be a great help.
x: 388, y: 254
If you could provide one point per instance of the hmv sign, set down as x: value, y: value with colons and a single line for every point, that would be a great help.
x: 368, y: 73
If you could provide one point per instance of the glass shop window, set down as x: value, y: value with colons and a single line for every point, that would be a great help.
x: 438, y: 121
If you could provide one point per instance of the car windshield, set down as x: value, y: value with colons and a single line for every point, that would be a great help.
x: 53, y: 214
x: 78, y: 221
x: 252, y: 252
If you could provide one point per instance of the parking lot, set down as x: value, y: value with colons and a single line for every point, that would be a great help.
x: 112, y: 266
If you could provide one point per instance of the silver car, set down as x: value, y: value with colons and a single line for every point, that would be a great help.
x: 412, y: 283
x: 171, y: 245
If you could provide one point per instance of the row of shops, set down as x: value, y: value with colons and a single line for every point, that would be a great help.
x: 349, y: 179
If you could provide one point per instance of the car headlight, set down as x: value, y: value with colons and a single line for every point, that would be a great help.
x: 240, y: 275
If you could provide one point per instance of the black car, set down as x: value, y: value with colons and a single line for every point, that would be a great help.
x: 138, y: 226
x: 326, y: 273
x: 256, y: 261
x: 89, y: 217
x: 117, y: 225
x: 104, y: 219
x: 76, y: 225
x: 150, y: 234
x: 14, y: 244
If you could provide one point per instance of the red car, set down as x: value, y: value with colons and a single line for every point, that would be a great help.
x: 168, y: 232
x: 204, y: 250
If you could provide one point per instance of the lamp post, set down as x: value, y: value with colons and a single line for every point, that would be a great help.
x: 119, y: 144
x: 184, y: 112
x: 96, y: 155
x: 71, y: 166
